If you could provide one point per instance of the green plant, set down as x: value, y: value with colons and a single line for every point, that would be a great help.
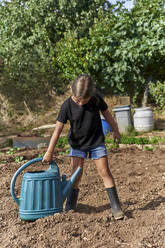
x: 3, y: 161
x: 108, y: 140
x: 157, y: 139
x: 64, y: 152
x: 126, y: 139
x: 62, y: 141
x: 157, y: 90
x: 112, y: 146
x: 12, y: 151
x: 19, y: 159
x: 134, y: 140
x: 29, y: 50
x: 147, y: 148
x: 130, y: 131
x: 41, y: 155
x: 122, y: 50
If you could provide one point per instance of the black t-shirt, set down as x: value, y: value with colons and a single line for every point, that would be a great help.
x: 86, y: 128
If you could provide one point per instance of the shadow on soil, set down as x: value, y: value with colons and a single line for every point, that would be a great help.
x: 83, y: 208
x: 153, y: 204
x: 149, y: 206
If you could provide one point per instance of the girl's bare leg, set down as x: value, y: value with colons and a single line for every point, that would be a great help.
x: 104, y: 172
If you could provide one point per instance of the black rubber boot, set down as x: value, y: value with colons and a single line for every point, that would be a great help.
x: 115, y: 204
x: 71, y: 201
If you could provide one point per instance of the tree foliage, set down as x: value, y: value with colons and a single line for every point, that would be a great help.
x: 122, y: 50
x: 157, y: 90
x: 47, y: 43
x: 29, y: 32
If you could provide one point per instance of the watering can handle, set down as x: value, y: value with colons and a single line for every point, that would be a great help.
x: 12, y: 185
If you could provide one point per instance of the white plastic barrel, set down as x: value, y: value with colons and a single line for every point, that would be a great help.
x: 143, y: 119
x: 123, y: 117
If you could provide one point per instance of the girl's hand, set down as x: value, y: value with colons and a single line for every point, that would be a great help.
x: 116, y: 137
x: 47, y: 157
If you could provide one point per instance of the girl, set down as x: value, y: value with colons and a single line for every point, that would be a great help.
x: 86, y: 137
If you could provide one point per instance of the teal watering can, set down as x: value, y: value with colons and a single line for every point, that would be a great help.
x: 42, y: 192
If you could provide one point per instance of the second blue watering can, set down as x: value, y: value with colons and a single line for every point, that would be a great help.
x: 42, y: 192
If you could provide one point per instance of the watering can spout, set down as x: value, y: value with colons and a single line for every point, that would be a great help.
x: 68, y: 185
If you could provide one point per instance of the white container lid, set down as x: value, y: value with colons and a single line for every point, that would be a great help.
x: 143, y: 109
x: 121, y: 108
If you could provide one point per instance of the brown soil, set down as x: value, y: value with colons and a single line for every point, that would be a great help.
x: 140, y: 179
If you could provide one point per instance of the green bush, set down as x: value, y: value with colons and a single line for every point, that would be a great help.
x: 157, y: 90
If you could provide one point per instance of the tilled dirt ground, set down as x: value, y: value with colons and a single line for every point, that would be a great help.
x: 140, y: 180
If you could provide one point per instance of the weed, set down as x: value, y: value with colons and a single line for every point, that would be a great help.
x: 134, y: 140
x: 12, y: 151
x: 3, y: 162
x: 130, y: 131
x: 112, y: 146
x: 64, y: 152
x: 147, y: 148
x: 156, y: 140
x: 19, y: 159
x: 126, y: 139
x: 62, y: 141
x: 41, y: 155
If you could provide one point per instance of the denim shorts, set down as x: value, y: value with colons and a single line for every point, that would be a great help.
x: 93, y: 153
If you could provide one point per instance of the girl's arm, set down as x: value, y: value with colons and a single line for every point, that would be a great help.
x: 58, y: 129
x: 107, y: 115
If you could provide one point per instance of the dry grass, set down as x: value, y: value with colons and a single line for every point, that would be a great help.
x: 112, y: 102
x: 4, y: 110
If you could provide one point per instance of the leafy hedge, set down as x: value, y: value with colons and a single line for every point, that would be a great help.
x: 46, y: 43
x: 157, y: 90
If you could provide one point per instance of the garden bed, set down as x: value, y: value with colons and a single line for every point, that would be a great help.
x: 140, y: 180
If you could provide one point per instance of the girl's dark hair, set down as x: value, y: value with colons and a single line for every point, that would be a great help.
x: 83, y: 86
